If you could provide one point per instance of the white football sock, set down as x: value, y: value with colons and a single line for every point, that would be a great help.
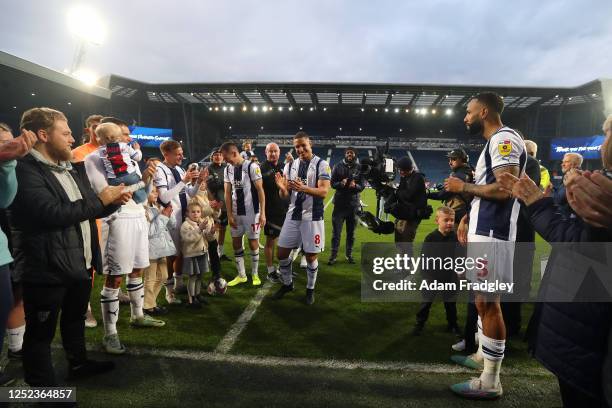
x: 284, y: 266
x: 493, y: 351
x: 312, y: 268
x: 15, y: 338
x: 135, y: 290
x: 255, y: 263
x: 239, y: 255
x: 271, y: 268
x: 109, y: 303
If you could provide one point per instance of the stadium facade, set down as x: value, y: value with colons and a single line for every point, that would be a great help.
x: 201, y: 115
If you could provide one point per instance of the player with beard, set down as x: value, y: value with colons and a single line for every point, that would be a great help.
x: 347, y: 182
x: 490, y: 232
x: 306, y: 181
x: 276, y: 207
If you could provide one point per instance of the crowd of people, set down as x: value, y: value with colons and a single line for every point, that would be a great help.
x: 99, y: 209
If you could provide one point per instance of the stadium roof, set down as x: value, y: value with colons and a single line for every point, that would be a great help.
x: 345, y: 95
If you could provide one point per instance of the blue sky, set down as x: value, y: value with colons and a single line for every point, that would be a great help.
x: 539, y: 43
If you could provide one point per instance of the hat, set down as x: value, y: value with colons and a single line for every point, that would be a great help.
x: 458, y: 154
x: 404, y: 163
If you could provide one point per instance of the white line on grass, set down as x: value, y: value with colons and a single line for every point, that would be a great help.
x: 273, y: 361
x: 230, y: 338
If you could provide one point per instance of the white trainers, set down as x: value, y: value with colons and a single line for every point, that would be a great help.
x: 473, y: 389
x: 90, y: 320
x: 112, y: 345
x: 459, y: 346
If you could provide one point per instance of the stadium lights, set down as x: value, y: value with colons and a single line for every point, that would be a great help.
x: 231, y: 108
x: 433, y: 111
x: 375, y: 109
x: 570, y: 98
x: 386, y: 110
x: 301, y: 128
x: 360, y: 129
x: 14, y: 107
x: 229, y: 127
x: 418, y: 111
x: 362, y: 109
x: 407, y: 110
x: 255, y: 108
x: 594, y: 95
x: 290, y: 108
x: 264, y: 109
x: 396, y: 110
x: 69, y: 103
x: 33, y: 94
x: 244, y: 108
x: 302, y: 108
x: 401, y: 130
x: 216, y: 109
x: 556, y: 96
x: 441, y: 131
x: 262, y: 128
x: 224, y: 108
x: 311, y: 108
x: 280, y: 108
x: 86, y: 24
x: 210, y: 108
x: 324, y: 109
x: 448, y: 112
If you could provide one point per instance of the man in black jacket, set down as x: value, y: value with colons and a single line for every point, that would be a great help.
x: 458, y: 161
x: 347, y: 182
x: 55, y: 246
x: 276, y: 207
x: 411, y: 201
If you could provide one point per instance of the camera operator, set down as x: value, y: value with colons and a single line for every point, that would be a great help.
x: 460, y: 202
x: 409, y: 205
x: 217, y: 190
x: 348, y: 183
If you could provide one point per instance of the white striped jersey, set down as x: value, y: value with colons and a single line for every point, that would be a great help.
x: 304, y: 206
x: 245, y: 200
x: 491, y: 218
x: 165, y: 180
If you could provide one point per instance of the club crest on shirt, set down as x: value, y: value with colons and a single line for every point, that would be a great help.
x: 504, y: 147
x: 258, y: 171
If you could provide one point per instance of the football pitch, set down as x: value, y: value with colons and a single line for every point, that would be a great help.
x: 245, y: 349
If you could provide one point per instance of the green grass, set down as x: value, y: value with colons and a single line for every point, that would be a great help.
x: 338, y: 326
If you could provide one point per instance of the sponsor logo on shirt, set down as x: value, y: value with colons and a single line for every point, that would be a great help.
x: 504, y: 147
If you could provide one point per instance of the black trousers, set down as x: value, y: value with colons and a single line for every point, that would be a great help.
x: 339, y: 216
x: 450, y: 307
x: 511, y: 304
x: 471, y: 325
x: 6, y: 299
x: 43, y: 305
x: 573, y: 397
x: 213, y: 257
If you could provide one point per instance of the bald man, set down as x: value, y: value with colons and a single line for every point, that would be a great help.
x: 532, y: 150
x: 276, y: 207
x: 571, y: 162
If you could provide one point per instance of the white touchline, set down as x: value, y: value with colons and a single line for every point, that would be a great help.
x: 274, y: 361
x: 230, y: 338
